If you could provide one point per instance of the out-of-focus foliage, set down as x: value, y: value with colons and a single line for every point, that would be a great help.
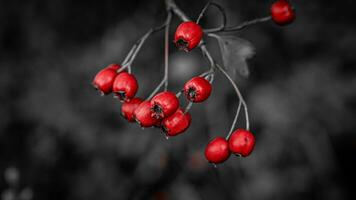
x: 66, y: 142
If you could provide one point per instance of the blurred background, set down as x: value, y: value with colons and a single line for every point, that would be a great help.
x: 60, y: 140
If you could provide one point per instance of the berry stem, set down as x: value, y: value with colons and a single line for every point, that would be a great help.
x: 171, y: 5
x: 206, y: 73
x: 164, y: 81
x: 235, y: 120
x: 188, y: 107
x: 239, y: 27
x: 166, y: 49
x: 128, y: 56
x: 136, y: 48
x: 240, y: 98
x: 222, y: 11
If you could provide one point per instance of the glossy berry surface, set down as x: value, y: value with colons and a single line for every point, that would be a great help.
x: 143, y: 115
x: 104, y: 79
x: 164, y: 104
x: 282, y: 12
x: 197, y: 89
x: 188, y: 35
x: 217, y: 151
x: 241, y: 142
x: 125, y: 86
x: 176, y: 123
x: 128, y: 108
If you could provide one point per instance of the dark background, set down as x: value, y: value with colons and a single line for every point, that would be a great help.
x: 60, y: 140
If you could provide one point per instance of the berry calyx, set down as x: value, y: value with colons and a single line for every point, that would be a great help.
x: 164, y: 104
x: 176, y: 123
x: 188, y: 35
x: 217, y: 151
x: 104, y: 79
x: 197, y: 89
x: 282, y: 12
x: 128, y: 108
x: 125, y: 86
x: 241, y: 142
x: 143, y: 115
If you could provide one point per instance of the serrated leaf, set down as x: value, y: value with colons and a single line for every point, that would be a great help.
x: 235, y: 51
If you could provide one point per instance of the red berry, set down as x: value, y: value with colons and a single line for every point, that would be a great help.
x: 164, y: 104
x: 242, y: 142
x: 128, y: 108
x: 125, y: 86
x: 282, y: 12
x: 104, y: 80
x: 217, y: 151
x: 176, y: 123
x: 143, y: 115
x: 188, y: 35
x: 197, y: 89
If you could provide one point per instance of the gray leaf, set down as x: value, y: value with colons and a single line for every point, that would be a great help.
x: 235, y: 51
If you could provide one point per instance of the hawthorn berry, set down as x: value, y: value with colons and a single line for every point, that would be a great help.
x: 176, y: 123
x: 143, y: 115
x: 164, y: 104
x: 217, y: 151
x: 104, y: 79
x: 197, y: 89
x: 282, y: 12
x: 241, y: 142
x: 125, y: 86
x: 128, y: 108
x: 188, y: 35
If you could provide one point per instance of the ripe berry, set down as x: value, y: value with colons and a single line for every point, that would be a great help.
x: 125, y: 86
x: 188, y: 35
x: 143, y: 115
x: 128, y: 108
x: 197, y: 89
x: 104, y: 80
x: 176, y: 123
x: 282, y: 12
x: 217, y: 151
x: 241, y: 142
x: 164, y: 104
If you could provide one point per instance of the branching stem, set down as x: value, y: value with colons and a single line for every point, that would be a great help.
x: 222, y: 11
x: 164, y: 81
x: 241, y: 99
x: 239, y: 27
x: 176, y: 10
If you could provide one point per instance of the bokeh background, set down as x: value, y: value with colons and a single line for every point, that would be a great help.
x: 60, y: 140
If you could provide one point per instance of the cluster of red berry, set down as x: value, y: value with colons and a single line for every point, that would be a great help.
x: 163, y: 109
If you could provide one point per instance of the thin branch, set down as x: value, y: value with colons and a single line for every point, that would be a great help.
x: 239, y: 27
x: 164, y: 81
x: 222, y: 11
x: 235, y: 120
x: 128, y: 56
x: 166, y: 49
x: 238, y: 94
x: 171, y: 5
x: 188, y: 107
x: 137, y: 47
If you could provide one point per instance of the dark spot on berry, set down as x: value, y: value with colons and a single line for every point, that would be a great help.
x: 121, y: 95
x: 237, y: 155
x: 192, y: 93
x: 165, y: 129
x: 157, y: 111
x: 182, y: 44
